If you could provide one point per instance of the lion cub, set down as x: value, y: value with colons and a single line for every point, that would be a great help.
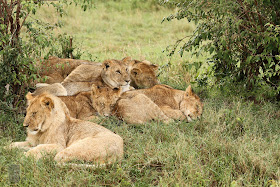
x: 112, y: 73
x: 51, y: 129
x: 86, y: 105
x: 160, y: 102
x: 142, y: 73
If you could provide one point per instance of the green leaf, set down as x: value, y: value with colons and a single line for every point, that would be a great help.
x: 261, y: 72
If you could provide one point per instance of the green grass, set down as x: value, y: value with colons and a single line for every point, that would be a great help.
x: 235, y: 143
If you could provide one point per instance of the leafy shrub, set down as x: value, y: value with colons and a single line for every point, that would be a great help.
x: 242, y: 37
x: 20, y: 52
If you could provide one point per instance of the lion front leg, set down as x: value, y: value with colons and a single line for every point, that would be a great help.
x: 173, y: 113
x: 90, y: 118
x: 21, y: 145
x: 38, y: 151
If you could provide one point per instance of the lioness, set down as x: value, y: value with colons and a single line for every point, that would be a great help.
x: 51, y: 129
x: 112, y: 73
x: 57, y: 69
x: 159, y: 102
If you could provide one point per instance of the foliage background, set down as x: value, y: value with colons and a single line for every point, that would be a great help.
x: 242, y: 38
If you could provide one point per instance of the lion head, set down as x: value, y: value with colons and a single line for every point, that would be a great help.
x: 104, y: 99
x: 191, y: 105
x: 115, y: 73
x: 143, y: 74
x: 42, y: 112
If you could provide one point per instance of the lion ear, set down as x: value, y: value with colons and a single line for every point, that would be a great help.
x: 47, y: 102
x: 118, y: 90
x: 154, y: 67
x: 136, y: 61
x: 106, y: 64
x: 128, y: 58
x: 147, y: 62
x: 135, y: 71
x: 189, y: 91
x: 29, y: 96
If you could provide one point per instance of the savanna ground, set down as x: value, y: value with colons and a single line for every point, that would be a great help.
x: 235, y: 143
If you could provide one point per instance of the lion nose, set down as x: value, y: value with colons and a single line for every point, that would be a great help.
x: 25, y: 124
x: 127, y: 81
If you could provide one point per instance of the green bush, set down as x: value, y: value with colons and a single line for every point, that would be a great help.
x: 241, y: 36
x: 20, y: 52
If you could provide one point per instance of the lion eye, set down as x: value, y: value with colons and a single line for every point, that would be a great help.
x: 34, y: 113
x: 118, y: 71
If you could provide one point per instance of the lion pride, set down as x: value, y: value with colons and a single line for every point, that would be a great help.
x: 160, y: 102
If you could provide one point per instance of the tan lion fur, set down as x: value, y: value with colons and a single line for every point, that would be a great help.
x: 138, y: 109
x: 56, y: 89
x: 80, y: 105
x: 57, y: 69
x: 104, y: 98
x: 143, y: 74
x: 50, y: 129
x: 112, y: 73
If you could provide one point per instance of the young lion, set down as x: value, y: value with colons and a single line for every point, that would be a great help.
x: 104, y: 98
x: 112, y: 73
x: 51, y: 129
x: 143, y: 74
x: 159, y: 102
x: 85, y: 105
x: 57, y: 69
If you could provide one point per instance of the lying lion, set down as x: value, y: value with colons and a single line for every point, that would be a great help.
x: 51, y: 129
x: 160, y: 102
x: 57, y: 69
x: 112, y: 73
